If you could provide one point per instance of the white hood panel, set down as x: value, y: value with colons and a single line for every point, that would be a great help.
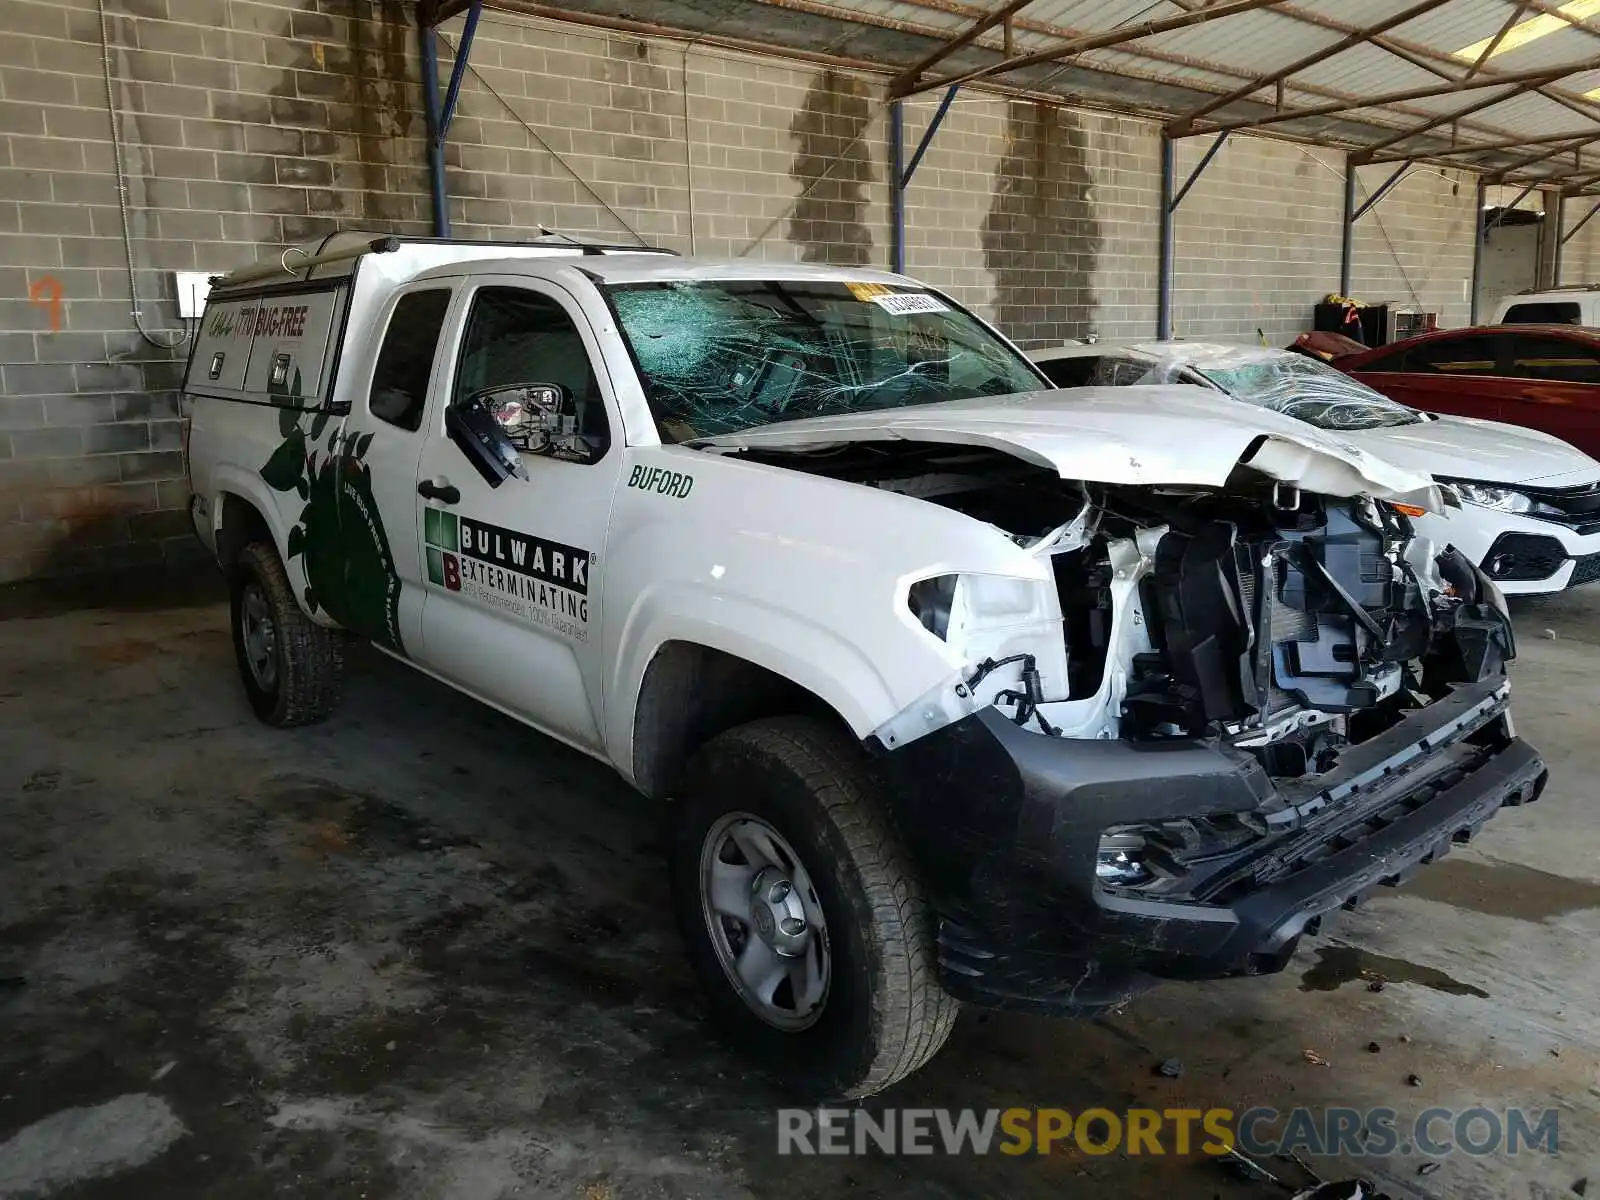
x: 1172, y: 434
x: 1464, y: 448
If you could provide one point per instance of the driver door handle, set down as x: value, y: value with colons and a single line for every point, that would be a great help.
x: 445, y: 493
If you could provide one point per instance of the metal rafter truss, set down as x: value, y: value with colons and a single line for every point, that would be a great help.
x: 907, y: 84
x: 1455, y: 75
x: 1070, y: 65
x: 1270, y: 101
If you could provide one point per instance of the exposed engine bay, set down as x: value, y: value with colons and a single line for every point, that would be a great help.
x: 1287, y: 623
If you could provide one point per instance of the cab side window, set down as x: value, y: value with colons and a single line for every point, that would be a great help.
x: 515, y: 336
x: 1395, y: 360
x: 1096, y: 370
x: 1554, y: 358
x: 1070, y: 372
x: 1545, y: 312
x: 1452, y: 356
x: 405, y: 360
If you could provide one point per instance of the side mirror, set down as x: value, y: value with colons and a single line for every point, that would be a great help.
x: 531, y: 414
x: 477, y: 431
x: 491, y: 426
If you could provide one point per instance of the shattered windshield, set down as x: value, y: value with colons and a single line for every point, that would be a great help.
x: 1302, y: 387
x: 720, y: 356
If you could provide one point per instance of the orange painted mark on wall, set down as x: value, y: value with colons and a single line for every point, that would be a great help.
x: 46, y: 293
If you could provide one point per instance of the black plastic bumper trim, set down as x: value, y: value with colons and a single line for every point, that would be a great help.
x: 1006, y: 824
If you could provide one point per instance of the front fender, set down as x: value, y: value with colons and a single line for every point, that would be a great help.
x: 782, y: 641
x: 796, y: 573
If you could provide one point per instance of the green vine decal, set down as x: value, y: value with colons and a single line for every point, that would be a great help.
x: 339, y: 535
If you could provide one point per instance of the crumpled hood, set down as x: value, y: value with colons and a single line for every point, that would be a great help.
x: 1466, y: 448
x: 1168, y: 434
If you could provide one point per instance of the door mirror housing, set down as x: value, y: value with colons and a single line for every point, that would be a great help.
x: 491, y: 426
x: 539, y: 418
x: 476, y: 430
x: 531, y: 414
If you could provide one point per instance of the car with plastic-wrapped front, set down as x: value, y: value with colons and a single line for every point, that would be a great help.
x: 1529, y: 511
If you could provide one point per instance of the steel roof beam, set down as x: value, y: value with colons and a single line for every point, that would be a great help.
x: 1520, y: 163
x: 1493, y: 43
x: 1527, y: 80
x: 1573, y: 102
x: 1445, y: 119
x: 1097, y: 41
x: 1425, y: 58
x: 961, y: 8
x: 1186, y: 122
x: 1554, y: 10
x: 1513, y: 143
x: 1582, y: 221
x: 1387, y: 186
x: 979, y: 27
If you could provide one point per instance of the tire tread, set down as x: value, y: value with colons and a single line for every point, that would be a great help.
x: 917, y: 1014
x: 311, y: 661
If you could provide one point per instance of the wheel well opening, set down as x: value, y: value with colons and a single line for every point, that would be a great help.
x: 690, y: 694
x: 242, y: 523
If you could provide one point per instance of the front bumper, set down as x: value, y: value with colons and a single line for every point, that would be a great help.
x: 1527, y: 564
x: 1006, y: 825
x: 1525, y: 556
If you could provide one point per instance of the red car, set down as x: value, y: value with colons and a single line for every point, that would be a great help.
x: 1544, y: 377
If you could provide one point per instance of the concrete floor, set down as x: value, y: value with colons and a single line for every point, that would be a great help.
x: 418, y: 952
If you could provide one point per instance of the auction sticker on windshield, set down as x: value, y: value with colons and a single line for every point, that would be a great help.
x: 904, y: 303
x: 866, y: 291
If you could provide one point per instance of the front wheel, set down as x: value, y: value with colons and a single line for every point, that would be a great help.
x: 802, y: 914
x: 291, y: 666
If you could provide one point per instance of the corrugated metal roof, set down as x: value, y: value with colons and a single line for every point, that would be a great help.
x: 1366, y: 70
x: 1174, y: 72
x: 1289, y: 39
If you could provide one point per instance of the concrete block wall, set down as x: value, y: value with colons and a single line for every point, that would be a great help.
x: 249, y: 124
x: 1037, y: 218
x: 1580, y: 258
x: 1257, y: 238
x: 1258, y: 234
x: 1415, y: 247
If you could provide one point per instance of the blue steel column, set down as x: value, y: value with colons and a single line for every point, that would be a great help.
x: 897, y: 188
x: 1558, y: 226
x: 1171, y: 197
x: 1164, y: 266
x: 430, y: 102
x: 903, y: 173
x: 439, y: 118
x: 1347, y: 240
x: 1479, y: 234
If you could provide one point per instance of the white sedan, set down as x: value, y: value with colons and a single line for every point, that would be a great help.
x: 1531, y: 503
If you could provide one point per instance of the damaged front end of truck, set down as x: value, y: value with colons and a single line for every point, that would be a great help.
x: 1225, y: 707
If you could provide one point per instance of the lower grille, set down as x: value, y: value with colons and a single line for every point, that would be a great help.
x: 1524, y: 557
x: 1337, y: 835
x: 1585, y: 570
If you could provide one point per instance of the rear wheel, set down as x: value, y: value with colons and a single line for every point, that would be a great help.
x: 801, y: 912
x: 291, y: 666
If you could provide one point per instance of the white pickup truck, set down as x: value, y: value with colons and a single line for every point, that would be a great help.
x: 961, y: 688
